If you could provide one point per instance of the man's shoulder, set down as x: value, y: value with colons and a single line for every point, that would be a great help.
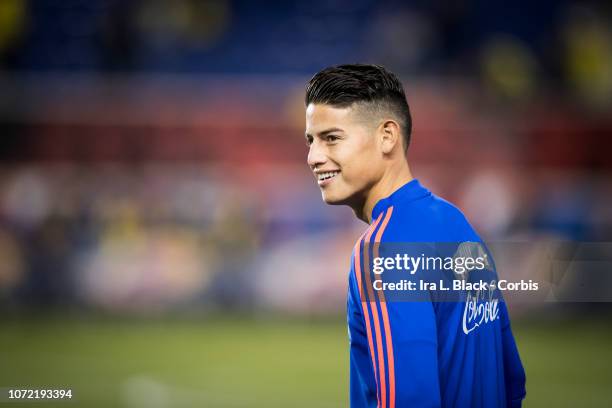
x: 430, y: 218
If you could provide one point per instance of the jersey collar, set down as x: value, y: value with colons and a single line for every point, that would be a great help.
x: 413, y: 190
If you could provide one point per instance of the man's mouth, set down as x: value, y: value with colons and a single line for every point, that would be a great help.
x: 328, y: 175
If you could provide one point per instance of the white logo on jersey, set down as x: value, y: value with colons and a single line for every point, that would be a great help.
x: 479, y: 310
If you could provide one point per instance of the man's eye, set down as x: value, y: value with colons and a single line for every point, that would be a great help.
x: 331, y: 138
x: 308, y: 141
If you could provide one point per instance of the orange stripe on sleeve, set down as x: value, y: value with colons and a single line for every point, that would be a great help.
x: 385, y: 315
x: 376, y: 327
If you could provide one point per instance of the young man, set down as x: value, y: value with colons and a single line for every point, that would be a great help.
x: 426, y: 352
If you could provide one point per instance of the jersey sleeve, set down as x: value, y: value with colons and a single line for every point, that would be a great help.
x: 412, y: 354
x: 402, y: 340
x: 514, y: 373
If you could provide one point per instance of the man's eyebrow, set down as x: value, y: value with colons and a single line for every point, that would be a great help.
x: 326, y: 131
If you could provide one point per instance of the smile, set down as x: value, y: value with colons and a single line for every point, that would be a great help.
x: 326, y: 176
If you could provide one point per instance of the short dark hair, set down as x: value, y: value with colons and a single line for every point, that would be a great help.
x: 344, y: 85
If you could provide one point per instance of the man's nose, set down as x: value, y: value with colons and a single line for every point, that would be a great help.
x: 316, y: 156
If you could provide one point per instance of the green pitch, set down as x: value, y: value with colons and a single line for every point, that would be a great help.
x: 249, y: 363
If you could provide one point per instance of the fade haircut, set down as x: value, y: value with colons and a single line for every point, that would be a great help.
x: 367, y: 86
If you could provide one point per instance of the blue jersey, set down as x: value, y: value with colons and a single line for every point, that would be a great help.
x: 421, y: 353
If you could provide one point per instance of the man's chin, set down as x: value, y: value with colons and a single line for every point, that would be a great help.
x: 333, y: 200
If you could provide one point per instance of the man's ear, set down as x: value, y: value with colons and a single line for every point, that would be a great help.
x: 390, y: 135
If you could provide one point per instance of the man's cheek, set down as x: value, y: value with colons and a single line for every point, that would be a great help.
x: 345, y: 178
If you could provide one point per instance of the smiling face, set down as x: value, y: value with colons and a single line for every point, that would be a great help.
x: 344, y: 153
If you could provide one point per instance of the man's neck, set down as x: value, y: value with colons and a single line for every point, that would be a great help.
x: 392, y: 180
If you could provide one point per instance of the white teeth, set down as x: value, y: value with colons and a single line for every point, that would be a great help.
x: 326, y: 175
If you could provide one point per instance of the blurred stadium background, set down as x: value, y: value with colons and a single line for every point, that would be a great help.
x: 162, y: 242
